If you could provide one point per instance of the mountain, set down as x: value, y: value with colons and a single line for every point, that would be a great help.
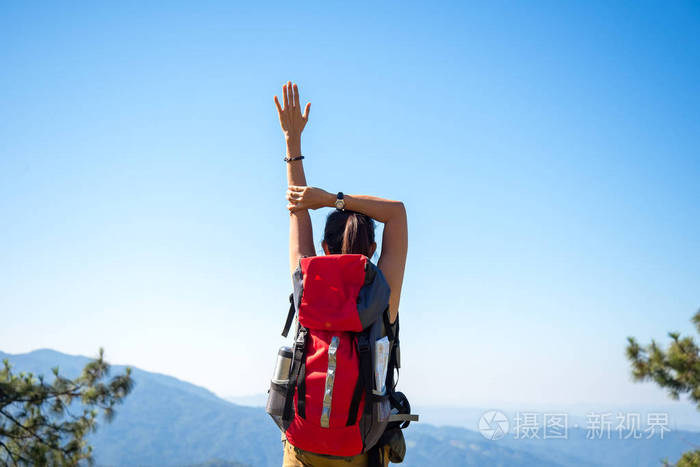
x: 166, y: 421
x: 253, y: 400
x: 459, y: 446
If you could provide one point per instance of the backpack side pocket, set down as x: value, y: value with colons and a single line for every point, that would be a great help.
x: 276, y: 398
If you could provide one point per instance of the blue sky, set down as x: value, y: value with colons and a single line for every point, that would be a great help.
x: 547, y: 153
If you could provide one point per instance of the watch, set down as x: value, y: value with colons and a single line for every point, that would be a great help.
x: 340, y: 202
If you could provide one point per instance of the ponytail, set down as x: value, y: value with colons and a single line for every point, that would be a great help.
x: 349, y: 232
x: 356, y: 238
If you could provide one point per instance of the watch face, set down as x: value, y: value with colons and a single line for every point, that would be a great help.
x: 339, y: 203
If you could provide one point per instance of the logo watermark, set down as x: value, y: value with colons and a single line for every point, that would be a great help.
x: 495, y: 424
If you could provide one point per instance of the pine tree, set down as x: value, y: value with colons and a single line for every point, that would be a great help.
x: 676, y: 369
x: 37, y: 426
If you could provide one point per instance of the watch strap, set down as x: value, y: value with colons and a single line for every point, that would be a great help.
x: 340, y: 202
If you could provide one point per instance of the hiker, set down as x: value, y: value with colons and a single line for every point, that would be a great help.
x: 349, y: 244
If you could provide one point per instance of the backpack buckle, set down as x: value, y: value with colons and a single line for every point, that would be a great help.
x: 301, y: 338
x: 363, y: 343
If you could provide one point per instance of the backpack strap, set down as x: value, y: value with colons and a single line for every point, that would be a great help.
x: 404, y: 417
x: 290, y: 316
x: 294, y: 297
x: 301, y: 388
x: 392, y: 330
x: 397, y: 399
x: 364, y: 379
x: 299, y: 357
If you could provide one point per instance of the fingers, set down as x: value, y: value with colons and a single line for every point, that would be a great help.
x: 293, y: 206
x: 296, y: 96
x: 294, y: 195
x: 291, y: 98
x: 290, y: 94
x: 296, y: 188
x: 277, y: 103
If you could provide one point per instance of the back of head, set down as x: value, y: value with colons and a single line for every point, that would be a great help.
x: 349, y: 232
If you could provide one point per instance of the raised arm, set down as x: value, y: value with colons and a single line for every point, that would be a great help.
x: 301, y: 241
x: 392, y: 260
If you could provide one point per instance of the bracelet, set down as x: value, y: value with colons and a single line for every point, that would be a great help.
x: 297, y: 158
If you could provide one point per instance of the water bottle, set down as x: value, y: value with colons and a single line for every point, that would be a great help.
x: 277, y: 395
x: 284, y: 361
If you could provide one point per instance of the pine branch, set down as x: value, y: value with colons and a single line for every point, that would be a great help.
x: 44, y: 417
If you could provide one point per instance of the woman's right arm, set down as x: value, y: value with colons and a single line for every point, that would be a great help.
x: 392, y: 261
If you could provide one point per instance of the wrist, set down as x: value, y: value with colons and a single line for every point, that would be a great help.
x: 329, y: 200
x: 293, y: 151
x: 293, y: 141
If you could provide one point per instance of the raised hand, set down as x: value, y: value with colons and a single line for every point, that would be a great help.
x: 308, y: 197
x: 291, y: 119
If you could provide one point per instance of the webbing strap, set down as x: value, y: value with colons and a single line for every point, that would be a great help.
x: 392, y: 331
x: 388, y: 327
x: 364, y: 379
x: 299, y: 353
x: 290, y: 316
x: 397, y: 344
x: 404, y: 417
x: 301, y: 390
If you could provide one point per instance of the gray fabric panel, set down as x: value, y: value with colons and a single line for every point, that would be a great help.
x: 373, y: 297
x: 275, y: 405
x: 371, y: 426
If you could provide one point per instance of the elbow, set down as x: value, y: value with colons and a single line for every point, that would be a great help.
x: 399, y: 212
x: 401, y: 209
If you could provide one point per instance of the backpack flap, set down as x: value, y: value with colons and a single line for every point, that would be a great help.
x: 340, y: 292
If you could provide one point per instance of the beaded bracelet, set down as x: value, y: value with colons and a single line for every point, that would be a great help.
x: 289, y: 159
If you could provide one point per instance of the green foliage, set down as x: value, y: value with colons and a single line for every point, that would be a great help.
x: 37, y: 426
x: 689, y: 459
x: 676, y: 369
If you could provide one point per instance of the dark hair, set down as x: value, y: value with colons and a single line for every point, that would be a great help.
x: 348, y: 232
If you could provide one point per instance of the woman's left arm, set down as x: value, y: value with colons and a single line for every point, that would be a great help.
x: 301, y: 242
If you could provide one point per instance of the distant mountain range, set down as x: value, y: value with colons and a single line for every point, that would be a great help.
x: 166, y: 421
x: 681, y: 415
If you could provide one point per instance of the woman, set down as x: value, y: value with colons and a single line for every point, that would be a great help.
x: 349, y: 229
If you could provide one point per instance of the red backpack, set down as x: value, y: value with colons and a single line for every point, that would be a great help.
x: 330, y: 401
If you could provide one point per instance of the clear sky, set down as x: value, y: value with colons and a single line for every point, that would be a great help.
x: 548, y: 155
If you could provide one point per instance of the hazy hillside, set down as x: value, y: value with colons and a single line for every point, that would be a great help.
x: 165, y: 421
x: 459, y: 446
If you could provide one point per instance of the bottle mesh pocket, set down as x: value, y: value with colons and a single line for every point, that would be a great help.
x: 276, y: 398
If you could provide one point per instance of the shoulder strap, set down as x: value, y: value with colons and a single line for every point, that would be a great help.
x: 294, y: 297
x: 299, y: 357
x: 364, y: 379
x: 398, y: 400
x: 301, y: 388
x: 290, y: 316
